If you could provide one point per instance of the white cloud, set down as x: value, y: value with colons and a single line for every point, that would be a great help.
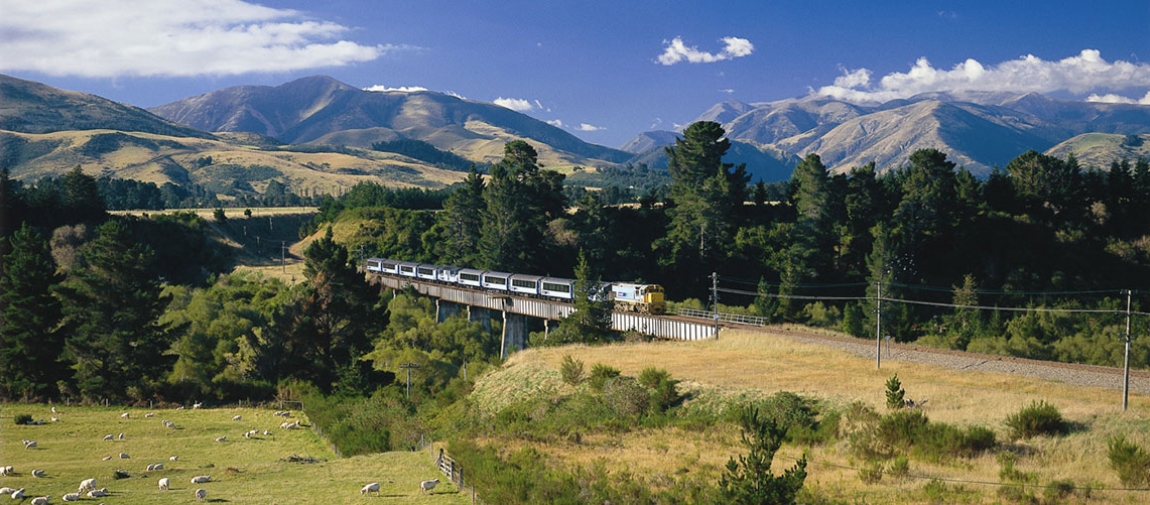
x: 728, y: 91
x: 676, y: 51
x: 1115, y: 98
x: 402, y: 89
x: 515, y: 104
x: 584, y: 127
x: 1085, y: 72
x: 170, y: 38
x: 556, y: 123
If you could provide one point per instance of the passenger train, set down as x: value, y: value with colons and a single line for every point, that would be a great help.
x: 628, y: 297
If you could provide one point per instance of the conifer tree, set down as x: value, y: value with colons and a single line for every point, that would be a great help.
x: 749, y: 480
x: 30, y: 344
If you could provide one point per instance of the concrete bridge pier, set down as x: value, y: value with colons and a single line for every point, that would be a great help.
x: 445, y: 309
x: 480, y: 315
x: 514, y: 334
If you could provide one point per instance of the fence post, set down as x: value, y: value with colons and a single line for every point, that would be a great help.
x: 460, y: 478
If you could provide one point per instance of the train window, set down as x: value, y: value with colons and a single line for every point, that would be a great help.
x: 522, y: 283
x: 469, y: 277
x: 562, y: 288
x: 426, y: 271
x: 389, y: 267
x: 495, y: 280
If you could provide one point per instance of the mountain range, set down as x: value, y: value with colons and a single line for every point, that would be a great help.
x: 317, y: 133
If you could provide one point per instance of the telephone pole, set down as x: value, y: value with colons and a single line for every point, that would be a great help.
x: 878, y: 326
x: 1126, y: 359
x: 715, y: 300
x: 408, y: 367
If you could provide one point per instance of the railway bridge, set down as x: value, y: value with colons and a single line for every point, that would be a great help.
x: 482, y: 305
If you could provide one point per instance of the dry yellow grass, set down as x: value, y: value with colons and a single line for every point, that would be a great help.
x: 763, y: 363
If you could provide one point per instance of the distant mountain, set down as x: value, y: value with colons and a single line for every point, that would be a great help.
x: 323, y: 110
x: 1098, y: 150
x: 976, y: 130
x: 763, y: 164
x: 31, y: 107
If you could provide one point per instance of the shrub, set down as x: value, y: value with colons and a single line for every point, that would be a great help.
x: 571, y: 370
x: 23, y: 419
x: 899, y: 468
x: 663, y: 389
x: 1058, y: 490
x: 1007, y: 472
x: 625, y: 396
x: 895, y: 395
x: 600, y: 374
x: 1039, y: 418
x: 871, y: 473
x: 1131, y: 461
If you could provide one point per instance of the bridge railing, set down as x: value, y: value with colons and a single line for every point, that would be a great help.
x: 723, y: 316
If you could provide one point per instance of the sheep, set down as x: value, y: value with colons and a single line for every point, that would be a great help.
x: 267, y: 433
x: 181, y: 407
x: 55, y: 419
x: 149, y: 414
x: 109, y: 437
x: 98, y: 493
x: 427, y: 485
x: 370, y: 488
x: 173, y: 458
x: 155, y: 467
x: 165, y: 484
x: 197, y: 405
x: 222, y: 439
x: 200, y: 479
x: 54, y: 410
x: 124, y: 455
x: 18, y: 494
x: 201, y: 494
x: 7, y: 490
x: 107, y: 458
x: 120, y: 436
x: 39, y: 474
x: 29, y: 444
x: 237, y: 417
x: 71, y: 497
x: 42, y: 500
x: 125, y: 415
x: 87, y: 485
x: 6, y: 470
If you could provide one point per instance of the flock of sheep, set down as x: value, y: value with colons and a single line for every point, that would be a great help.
x: 88, y: 486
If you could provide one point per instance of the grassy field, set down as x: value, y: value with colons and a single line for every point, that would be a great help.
x: 255, y: 470
x: 755, y: 365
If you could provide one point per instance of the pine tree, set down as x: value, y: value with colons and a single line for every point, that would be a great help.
x: 460, y: 225
x: 30, y: 344
x: 749, y: 480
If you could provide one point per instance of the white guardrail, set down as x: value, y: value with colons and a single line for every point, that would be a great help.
x: 722, y: 316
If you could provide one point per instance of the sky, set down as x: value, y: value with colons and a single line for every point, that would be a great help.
x: 604, y: 70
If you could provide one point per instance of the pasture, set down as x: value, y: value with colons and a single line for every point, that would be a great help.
x: 260, y: 469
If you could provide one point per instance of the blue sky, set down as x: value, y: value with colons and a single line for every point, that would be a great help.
x: 603, y: 70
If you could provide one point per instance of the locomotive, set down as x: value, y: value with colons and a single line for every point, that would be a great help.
x: 627, y: 297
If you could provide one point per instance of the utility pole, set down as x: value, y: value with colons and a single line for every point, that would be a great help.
x: 878, y: 326
x: 715, y: 300
x: 283, y: 256
x: 1126, y: 359
x: 408, y: 367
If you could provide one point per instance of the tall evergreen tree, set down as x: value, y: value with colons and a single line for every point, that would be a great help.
x: 749, y: 480
x: 459, y: 227
x: 30, y: 343
x: 111, y: 304
x: 521, y: 200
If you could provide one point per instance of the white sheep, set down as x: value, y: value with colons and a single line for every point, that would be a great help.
x: 6, y: 470
x: 125, y: 415
x: 120, y: 436
x: 173, y: 458
x: 71, y: 497
x: 107, y: 458
x: 222, y: 439
x: 7, y: 490
x: 54, y: 410
x: 237, y: 417
x: 124, y: 455
x: 197, y: 405
x: 38, y: 474
x: 149, y: 414
x: 109, y: 437
x: 98, y: 493
x: 165, y: 484
x: 155, y: 467
x: 55, y: 419
x: 370, y: 488
x: 87, y: 485
x: 29, y: 444
x: 201, y: 494
x: 42, y: 500
x: 18, y: 494
x: 200, y: 479
x: 427, y: 485
x: 181, y: 407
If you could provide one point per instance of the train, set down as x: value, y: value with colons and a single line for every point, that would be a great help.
x: 627, y: 296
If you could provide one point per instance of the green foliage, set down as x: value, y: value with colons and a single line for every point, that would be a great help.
x: 909, y: 433
x: 1008, y: 473
x: 219, y: 216
x: 626, y: 397
x: 895, y: 395
x: 600, y: 374
x: 365, y: 425
x: 871, y: 473
x: 899, y: 467
x: 571, y: 370
x: 1038, y: 418
x: 423, y: 151
x: 22, y: 419
x: 662, y: 388
x: 1131, y: 461
x: 29, y: 342
x: 749, y: 480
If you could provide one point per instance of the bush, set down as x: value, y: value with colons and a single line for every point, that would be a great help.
x: 1007, y: 472
x: 1131, y: 461
x: 23, y: 419
x: 1040, y: 418
x: 626, y: 397
x: 899, y: 468
x: 571, y: 370
x: 871, y: 473
x: 600, y: 374
x: 1059, y: 490
x: 663, y: 389
x: 909, y: 432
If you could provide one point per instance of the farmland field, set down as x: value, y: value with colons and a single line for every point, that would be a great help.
x: 256, y: 470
